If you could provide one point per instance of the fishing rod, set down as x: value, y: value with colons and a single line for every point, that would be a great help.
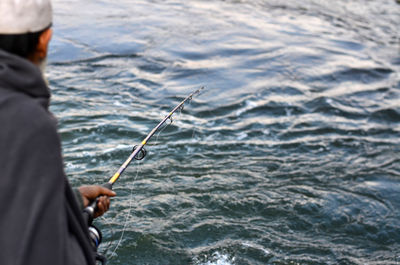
x: 137, y: 153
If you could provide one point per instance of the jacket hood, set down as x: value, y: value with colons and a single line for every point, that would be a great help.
x: 19, y: 74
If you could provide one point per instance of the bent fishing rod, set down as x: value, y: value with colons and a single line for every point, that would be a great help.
x: 137, y: 153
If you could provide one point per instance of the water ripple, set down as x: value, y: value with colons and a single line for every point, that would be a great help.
x: 289, y: 156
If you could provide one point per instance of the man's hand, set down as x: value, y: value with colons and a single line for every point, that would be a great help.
x: 90, y: 193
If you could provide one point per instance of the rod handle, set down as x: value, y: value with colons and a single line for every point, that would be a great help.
x: 90, y: 210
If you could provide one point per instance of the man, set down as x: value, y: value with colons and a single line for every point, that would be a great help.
x: 40, y: 215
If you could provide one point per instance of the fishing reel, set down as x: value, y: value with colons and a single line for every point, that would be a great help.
x: 96, y: 237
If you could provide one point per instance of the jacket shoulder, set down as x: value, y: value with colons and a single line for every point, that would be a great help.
x: 22, y: 113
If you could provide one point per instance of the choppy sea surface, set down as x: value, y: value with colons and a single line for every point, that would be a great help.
x: 290, y: 155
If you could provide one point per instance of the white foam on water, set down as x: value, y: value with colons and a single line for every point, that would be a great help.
x: 248, y: 106
x: 70, y: 165
x: 219, y: 259
x: 118, y: 104
x: 117, y: 148
x: 266, y: 252
x: 242, y: 136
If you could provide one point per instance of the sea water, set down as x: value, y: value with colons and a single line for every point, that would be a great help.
x: 291, y: 154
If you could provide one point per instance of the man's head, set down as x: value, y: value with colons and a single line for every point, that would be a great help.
x: 25, y: 28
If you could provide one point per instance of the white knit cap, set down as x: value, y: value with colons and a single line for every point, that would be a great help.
x: 24, y: 16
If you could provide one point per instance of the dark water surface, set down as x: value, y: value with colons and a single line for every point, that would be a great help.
x: 290, y: 156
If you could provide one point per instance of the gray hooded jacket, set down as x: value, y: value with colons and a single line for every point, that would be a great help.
x: 40, y: 219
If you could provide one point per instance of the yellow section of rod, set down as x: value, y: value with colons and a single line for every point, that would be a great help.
x: 114, y: 178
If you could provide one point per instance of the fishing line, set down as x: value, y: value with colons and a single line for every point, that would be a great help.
x: 138, y: 153
x: 128, y: 215
x: 194, y: 128
x: 193, y: 133
x: 161, y: 130
x: 131, y: 190
x: 109, y: 226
